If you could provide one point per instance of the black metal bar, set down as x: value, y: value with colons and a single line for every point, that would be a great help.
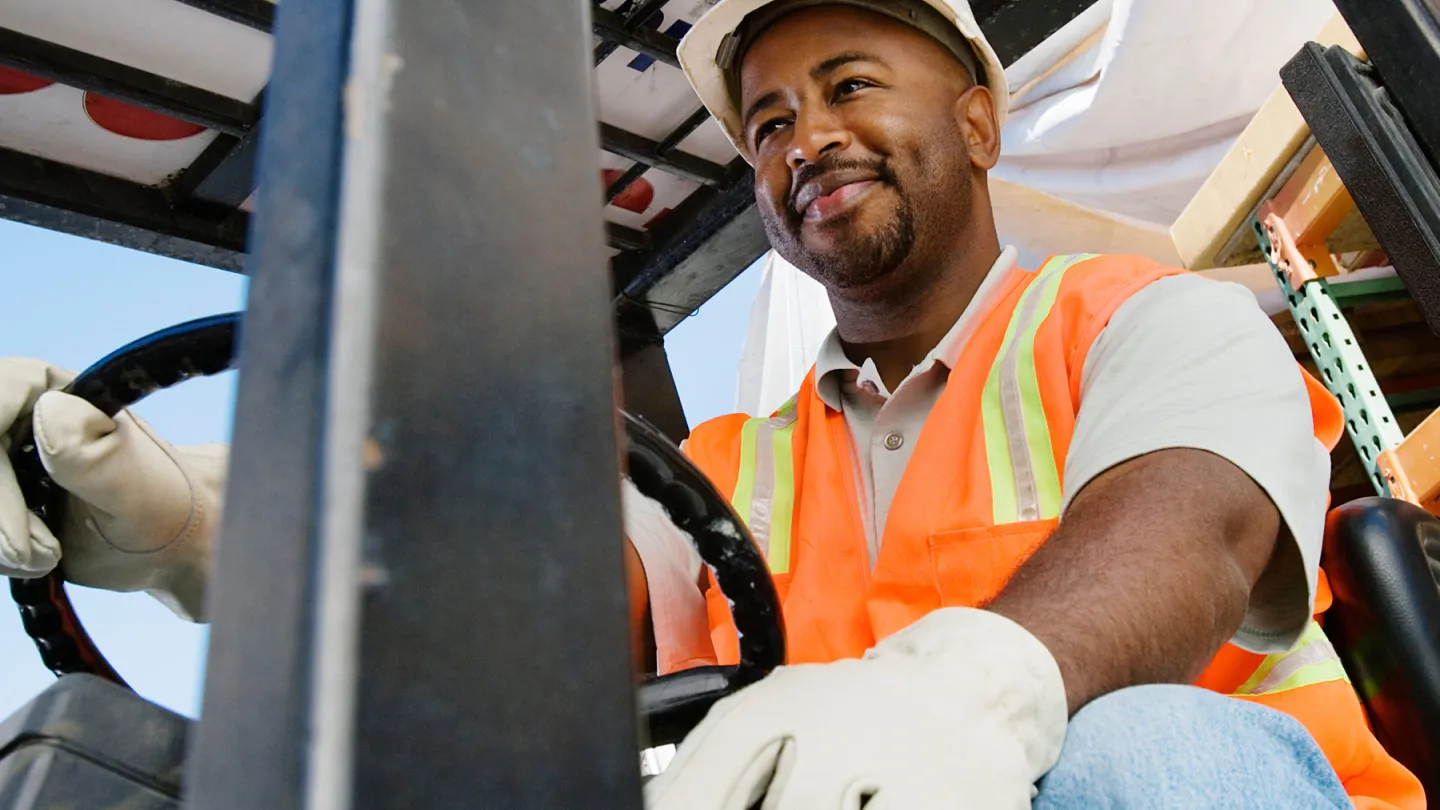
x: 702, y: 246
x: 648, y: 385
x: 471, y: 560
x: 625, y: 181
x: 643, y: 150
x: 102, y: 229
x: 650, y: 392
x: 1410, y: 401
x: 1402, y: 39
x: 638, y: 15
x: 662, y: 150
x: 1016, y: 27
x: 258, y: 14
x: 611, y: 27
x: 250, y: 748
x: 182, y: 185
x: 680, y: 133
x: 1383, y: 167
x: 224, y: 174
x: 124, y: 83
x: 624, y: 238
x: 85, y: 203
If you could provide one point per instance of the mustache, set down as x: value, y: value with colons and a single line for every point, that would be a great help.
x: 810, y: 171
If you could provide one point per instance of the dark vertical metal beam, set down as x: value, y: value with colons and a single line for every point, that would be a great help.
x: 1402, y: 39
x: 650, y: 392
x: 473, y: 603
x: 648, y: 383
x: 251, y: 745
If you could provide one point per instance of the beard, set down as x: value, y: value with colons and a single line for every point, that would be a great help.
x: 865, y: 247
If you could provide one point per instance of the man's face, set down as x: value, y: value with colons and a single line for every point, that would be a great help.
x: 851, y: 121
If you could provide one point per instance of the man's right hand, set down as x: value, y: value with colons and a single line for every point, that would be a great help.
x: 141, y: 513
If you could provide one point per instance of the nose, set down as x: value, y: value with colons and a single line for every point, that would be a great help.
x: 817, y: 132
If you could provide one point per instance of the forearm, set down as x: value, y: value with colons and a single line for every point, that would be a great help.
x: 1148, y: 574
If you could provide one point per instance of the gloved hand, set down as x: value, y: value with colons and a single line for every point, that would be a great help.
x: 141, y: 513
x: 963, y: 709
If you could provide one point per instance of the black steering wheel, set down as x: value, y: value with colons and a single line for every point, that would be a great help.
x: 671, y: 704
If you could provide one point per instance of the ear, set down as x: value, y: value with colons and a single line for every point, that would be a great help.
x: 975, y: 113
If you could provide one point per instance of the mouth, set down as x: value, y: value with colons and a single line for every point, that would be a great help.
x: 832, y: 194
x: 818, y: 208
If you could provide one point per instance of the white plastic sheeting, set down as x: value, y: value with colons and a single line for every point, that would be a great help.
x: 1116, y: 122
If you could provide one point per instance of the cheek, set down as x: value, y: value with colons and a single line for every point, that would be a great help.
x: 772, y: 190
x: 916, y: 140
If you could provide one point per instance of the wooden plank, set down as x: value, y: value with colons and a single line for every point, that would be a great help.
x: 1053, y: 226
x: 1314, y: 202
x: 1263, y: 150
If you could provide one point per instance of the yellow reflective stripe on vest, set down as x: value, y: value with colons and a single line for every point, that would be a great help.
x: 765, y: 490
x: 1311, y: 661
x: 1024, y: 478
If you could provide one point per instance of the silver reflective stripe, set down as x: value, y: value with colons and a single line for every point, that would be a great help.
x: 762, y: 501
x: 1027, y: 497
x: 763, y: 497
x: 1317, y: 651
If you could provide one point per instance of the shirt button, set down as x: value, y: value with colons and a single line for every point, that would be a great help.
x: 869, y: 387
x: 894, y: 441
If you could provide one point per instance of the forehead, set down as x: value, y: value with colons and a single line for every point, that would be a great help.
x: 796, y: 43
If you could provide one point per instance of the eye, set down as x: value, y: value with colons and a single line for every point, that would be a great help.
x: 849, y: 86
x: 765, y: 129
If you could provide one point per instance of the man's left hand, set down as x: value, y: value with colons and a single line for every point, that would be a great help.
x: 963, y: 709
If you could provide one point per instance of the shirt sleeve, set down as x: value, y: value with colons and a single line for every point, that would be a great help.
x: 672, y: 572
x: 1192, y: 363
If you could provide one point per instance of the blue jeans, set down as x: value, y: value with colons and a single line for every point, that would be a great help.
x: 1185, y: 747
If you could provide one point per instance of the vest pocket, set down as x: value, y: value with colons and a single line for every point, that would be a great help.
x: 971, y: 566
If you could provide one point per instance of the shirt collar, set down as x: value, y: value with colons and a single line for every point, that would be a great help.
x: 833, y: 368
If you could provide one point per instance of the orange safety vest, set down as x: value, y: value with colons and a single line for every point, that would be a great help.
x: 981, y: 493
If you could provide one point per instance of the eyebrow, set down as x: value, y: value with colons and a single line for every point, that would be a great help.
x: 761, y: 103
x: 838, y: 61
x: 818, y: 73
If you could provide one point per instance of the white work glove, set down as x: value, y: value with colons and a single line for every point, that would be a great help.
x: 963, y: 709
x: 141, y: 514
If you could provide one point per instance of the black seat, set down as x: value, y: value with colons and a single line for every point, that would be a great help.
x: 88, y: 743
x: 1382, y: 557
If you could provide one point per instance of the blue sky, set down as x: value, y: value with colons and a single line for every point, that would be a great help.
x: 71, y: 301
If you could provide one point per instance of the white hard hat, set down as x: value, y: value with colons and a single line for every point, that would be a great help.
x: 710, y: 52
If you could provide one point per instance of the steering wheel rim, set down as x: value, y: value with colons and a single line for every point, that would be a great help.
x: 160, y: 360
x: 672, y: 704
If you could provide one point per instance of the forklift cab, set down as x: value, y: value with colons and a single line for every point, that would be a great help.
x: 418, y: 601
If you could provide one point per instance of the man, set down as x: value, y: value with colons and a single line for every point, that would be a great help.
x: 959, y: 410
x: 1003, y: 513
